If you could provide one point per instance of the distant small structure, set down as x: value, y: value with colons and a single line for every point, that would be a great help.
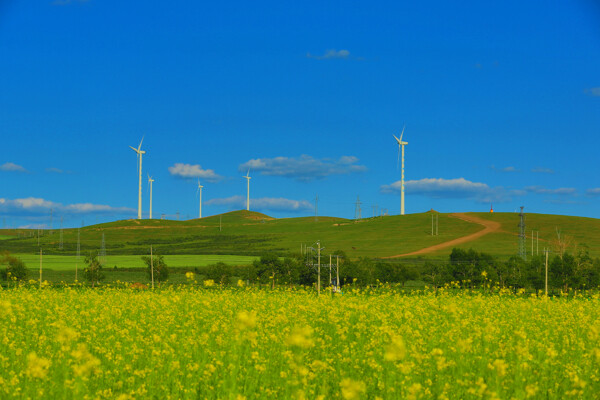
x: 492, y: 208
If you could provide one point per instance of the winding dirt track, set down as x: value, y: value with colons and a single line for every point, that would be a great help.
x: 489, y: 227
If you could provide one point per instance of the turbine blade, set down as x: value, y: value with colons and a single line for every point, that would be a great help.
x: 141, y: 141
x: 134, y: 149
x: 402, y: 134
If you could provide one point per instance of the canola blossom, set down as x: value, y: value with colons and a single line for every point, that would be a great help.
x: 243, y: 343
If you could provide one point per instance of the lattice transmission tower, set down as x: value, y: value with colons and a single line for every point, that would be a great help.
x: 102, y: 253
x: 357, y: 209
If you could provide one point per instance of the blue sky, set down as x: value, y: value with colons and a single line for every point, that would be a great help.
x: 501, y: 104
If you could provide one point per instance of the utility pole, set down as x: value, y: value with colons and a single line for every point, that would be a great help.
x: 337, y: 272
x: 432, y: 224
x: 437, y: 224
x: 330, y: 275
x: 152, y: 267
x: 40, y: 267
x: 546, y: 285
x: 319, y: 268
x: 522, y: 239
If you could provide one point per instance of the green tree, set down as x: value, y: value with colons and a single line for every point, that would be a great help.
x: 268, y: 268
x: 436, y: 274
x: 15, y: 268
x: 156, y: 266
x: 290, y: 270
x: 219, y: 272
x: 93, y: 271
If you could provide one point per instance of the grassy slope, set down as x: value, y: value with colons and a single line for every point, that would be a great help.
x: 250, y: 233
x: 583, y: 231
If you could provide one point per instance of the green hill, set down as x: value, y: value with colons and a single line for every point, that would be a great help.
x: 252, y: 233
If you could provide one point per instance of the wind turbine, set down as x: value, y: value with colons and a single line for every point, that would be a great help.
x: 139, y: 152
x: 150, y: 180
x: 199, y: 191
x: 248, y: 196
x: 401, y: 144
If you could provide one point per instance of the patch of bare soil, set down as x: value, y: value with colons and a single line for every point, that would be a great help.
x: 489, y: 227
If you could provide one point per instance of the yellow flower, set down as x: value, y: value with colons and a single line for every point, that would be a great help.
x: 241, y: 283
x: 301, y: 337
x: 37, y: 367
x: 66, y: 334
x: 86, y: 362
x: 209, y: 283
x: 500, y: 366
x: 246, y: 320
x: 352, y: 389
x: 396, y: 350
x: 5, y: 308
x: 531, y: 390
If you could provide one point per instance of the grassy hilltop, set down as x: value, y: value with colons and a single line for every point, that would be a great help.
x: 250, y: 233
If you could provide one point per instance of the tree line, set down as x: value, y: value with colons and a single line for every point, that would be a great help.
x: 464, y: 268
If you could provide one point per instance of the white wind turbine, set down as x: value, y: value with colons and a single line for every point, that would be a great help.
x: 248, y: 195
x: 150, y: 180
x: 199, y: 191
x: 139, y: 152
x: 401, y: 144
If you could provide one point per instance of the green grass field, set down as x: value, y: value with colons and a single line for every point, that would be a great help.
x: 246, y: 233
x: 65, y: 263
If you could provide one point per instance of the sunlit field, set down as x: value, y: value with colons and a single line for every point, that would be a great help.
x: 208, y: 342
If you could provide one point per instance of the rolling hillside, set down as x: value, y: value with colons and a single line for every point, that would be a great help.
x: 251, y: 233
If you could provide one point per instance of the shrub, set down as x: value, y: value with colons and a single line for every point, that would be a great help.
x: 93, y: 271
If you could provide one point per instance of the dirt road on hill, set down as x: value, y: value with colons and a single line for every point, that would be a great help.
x: 489, y: 227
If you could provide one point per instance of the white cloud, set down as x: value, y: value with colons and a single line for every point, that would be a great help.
x: 505, y: 169
x: 330, y: 54
x: 543, y: 190
x: 593, y: 192
x: 595, y: 91
x: 55, y: 170
x: 34, y: 206
x: 542, y: 170
x: 458, y: 188
x: 303, y: 168
x: 34, y: 226
x: 12, y: 167
x: 194, y: 171
x: 265, y: 203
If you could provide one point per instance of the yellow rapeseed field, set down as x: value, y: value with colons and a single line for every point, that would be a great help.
x: 245, y: 343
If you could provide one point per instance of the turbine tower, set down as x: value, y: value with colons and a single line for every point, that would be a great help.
x: 248, y: 195
x: 199, y: 191
x: 150, y: 180
x: 139, y: 152
x: 401, y: 144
